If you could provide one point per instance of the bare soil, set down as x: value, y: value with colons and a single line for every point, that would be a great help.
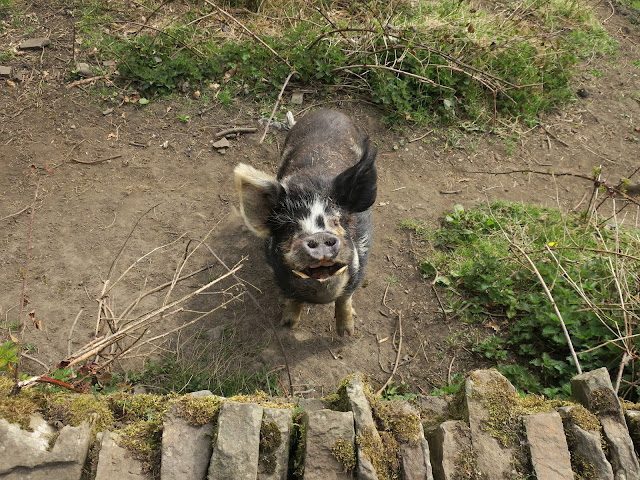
x: 85, y: 212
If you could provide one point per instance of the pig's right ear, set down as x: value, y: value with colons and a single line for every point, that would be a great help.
x: 258, y: 195
x: 355, y: 189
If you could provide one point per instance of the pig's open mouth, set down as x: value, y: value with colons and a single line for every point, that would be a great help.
x: 321, y: 271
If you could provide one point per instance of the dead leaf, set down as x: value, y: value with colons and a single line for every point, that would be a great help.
x: 37, y: 323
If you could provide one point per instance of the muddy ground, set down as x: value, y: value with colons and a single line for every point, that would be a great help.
x: 94, y: 176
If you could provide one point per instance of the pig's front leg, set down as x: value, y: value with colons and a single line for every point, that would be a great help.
x: 344, y: 316
x: 291, y: 313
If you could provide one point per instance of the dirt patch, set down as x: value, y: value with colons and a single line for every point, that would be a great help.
x: 147, y: 160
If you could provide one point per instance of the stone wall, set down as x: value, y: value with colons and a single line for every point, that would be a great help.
x: 487, y: 431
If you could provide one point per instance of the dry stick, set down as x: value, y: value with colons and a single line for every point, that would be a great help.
x: 87, y: 80
x: 273, y: 112
x: 101, y: 343
x: 15, y: 214
x: 24, y: 277
x: 395, y: 366
x: 394, y: 70
x: 73, y: 326
x: 236, y: 130
x: 597, y: 183
x: 273, y: 327
x: 253, y: 35
x: 625, y: 360
x: 553, y: 303
x: 96, y: 162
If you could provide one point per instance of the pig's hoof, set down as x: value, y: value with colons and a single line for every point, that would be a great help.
x: 348, y: 330
x: 292, y: 322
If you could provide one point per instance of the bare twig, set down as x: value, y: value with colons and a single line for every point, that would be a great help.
x: 395, y: 366
x: 553, y: 303
x: 73, y: 326
x: 236, y: 130
x: 273, y: 112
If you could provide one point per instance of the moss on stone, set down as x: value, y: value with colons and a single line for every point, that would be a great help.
x: 72, y: 409
x: 583, y: 468
x: 604, y: 402
x: 198, y: 411
x: 381, y: 451
x: 338, y: 400
x: 270, y: 437
x: 298, y: 445
x: 345, y: 453
x: 467, y: 466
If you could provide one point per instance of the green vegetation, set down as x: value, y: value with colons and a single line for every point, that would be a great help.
x: 447, y: 60
x: 591, y: 269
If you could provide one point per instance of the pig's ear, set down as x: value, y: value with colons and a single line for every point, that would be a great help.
x: 258, y: 195
x: 355, y: 189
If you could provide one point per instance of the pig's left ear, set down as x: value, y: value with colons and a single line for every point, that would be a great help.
x: 355, y: 189
x: 258, y: 195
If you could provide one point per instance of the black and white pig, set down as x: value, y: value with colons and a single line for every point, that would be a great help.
x: 314, y: 215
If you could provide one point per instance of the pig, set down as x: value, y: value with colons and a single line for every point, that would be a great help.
x: 314, y: 215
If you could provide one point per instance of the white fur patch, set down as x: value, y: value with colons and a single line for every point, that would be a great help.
x: 309, y: 223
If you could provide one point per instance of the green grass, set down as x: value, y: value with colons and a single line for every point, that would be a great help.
x: 452, y: 61
x: 487, y: 282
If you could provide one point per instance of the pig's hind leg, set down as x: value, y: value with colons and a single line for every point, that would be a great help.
x: 291, y: 312
x: 344, y: 316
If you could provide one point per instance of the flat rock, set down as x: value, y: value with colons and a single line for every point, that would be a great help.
x: 84, y: 69
x: 595, y: 391
x: 586, y: 447
x: 451, y: 448
x: 116, y: 462
x: 494, y: 460
x: 364, y: 423
x: 34, y: 43
x: 222, y: 143
x: 6, y: 72
x: 235, y: 453
x: 27, y: 455
x: 548, y: 446
x: 186, y: 449
x: 297, y: 98
x: 633, y: 422
x: 323, y: 429
x: 273, y: 465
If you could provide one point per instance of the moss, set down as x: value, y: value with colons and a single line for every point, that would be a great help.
x: 144, y: 440
x: 198, y: 411
x: 583, y: 468
x: 298, y: 446
x: 583, y: 418
x: 270, y: 437
x: 338, y: 400
x: 604, y: 402
x: 382, y: 452
x: 467, y: 466
x: 345, y: 453
x: 76, y: 409
x: 262, y: 399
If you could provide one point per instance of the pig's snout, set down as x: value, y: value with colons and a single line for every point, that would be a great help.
x: 322, y: 246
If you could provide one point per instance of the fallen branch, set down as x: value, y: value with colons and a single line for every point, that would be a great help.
x: 273, y: 112
x: 84, y: 81
x: 236, y: 130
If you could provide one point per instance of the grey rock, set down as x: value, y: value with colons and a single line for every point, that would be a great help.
x: 235, y: 453
x: 415, y: 461
x: 311, y: 404
x: 594, y: 391
x: 323, y: 429
x: 434, y: 410
x: 494, y: 460
x: 116, y: 462
x: 364, y: 424
x: 222, y: 143
x: 186, y: 449
x: 34, y: 43
x: 280, y: 456
x: 27, y: 455
x: 297, y: 98
x: 451, y: 448
x: 633, y: 422
x: 6, y: 72
x: 84, y: 69
x: 548, y: 446
x: 110, y: 64
x: 585, y: 447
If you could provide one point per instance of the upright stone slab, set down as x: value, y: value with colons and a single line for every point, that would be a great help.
x: 585, y: 445
x: 548, y: 446
x: 186, y: 449
x: 633, y: 422
x: 235, y: 453
x: 451, y: 450
x: 594, y: 391
x: 365, y: 425
x: 116, y: 462
x: 274, y: 452
x: 324, y: 428
x: 28, y: 455
x: 481, y: 388
x: 415, y: 461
